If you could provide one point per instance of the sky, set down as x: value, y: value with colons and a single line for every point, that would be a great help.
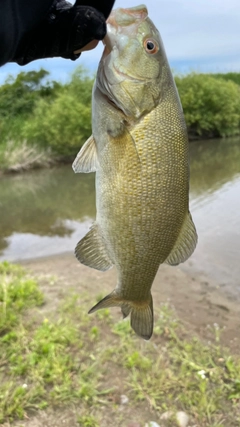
x: 198, y: 35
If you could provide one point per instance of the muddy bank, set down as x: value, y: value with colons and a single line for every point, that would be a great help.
x: 198, y: 301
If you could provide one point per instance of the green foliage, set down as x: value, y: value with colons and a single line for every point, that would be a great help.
x: 18, y: 98
x: 57, y: 117
x: 211, y: 105
x: 234, y: 77
x: 65, y: 124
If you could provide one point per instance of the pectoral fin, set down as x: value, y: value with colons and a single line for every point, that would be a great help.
x: 91, y: 251
x: 86, y: 160
x: 185, y: 244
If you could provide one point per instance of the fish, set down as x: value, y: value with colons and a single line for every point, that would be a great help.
x: 139, y: 152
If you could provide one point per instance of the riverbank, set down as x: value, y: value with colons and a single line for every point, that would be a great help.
x: 46, y: 212
x: 24, y: 158
x: 198, y: 300
x: 60, y: 366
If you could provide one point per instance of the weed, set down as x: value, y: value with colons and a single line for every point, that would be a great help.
x: 17, y: 292
x: 87, y: 421
x: 67, y: 357
x: 16, y: 157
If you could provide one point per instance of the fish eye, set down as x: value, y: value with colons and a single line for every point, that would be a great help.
x: 151, y: 46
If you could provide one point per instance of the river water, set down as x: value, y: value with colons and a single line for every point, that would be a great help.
x: 48, y: 211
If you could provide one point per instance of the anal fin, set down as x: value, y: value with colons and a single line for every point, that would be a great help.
x: 91, y: 250
x: 185, y: 244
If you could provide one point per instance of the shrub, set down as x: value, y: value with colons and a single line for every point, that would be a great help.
x: 63, y: 123
x: 211, y: 105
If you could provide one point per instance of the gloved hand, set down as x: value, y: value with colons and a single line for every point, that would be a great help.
x: 66, y: 29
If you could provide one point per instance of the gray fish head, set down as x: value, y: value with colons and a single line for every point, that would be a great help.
x: 133, y: 69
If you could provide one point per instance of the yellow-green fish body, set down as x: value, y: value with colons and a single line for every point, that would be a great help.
x: 139, y: 150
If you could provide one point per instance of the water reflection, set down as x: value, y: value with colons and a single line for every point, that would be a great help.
x: 213, y: 164
x: 215, y: 205
x: 40, y: 202
x: 48, y: 211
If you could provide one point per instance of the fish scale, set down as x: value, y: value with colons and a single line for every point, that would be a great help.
x: 139, y: 151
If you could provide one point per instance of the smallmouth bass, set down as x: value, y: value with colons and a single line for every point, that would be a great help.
x: 139, y: 151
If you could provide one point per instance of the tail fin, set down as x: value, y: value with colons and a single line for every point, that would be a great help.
x: 142, y: 319
x: 141, y: 313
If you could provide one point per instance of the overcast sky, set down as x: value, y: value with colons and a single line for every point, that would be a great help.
x: 199, y: 35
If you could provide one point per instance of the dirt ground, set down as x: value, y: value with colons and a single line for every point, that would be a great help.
x: 198, y: 302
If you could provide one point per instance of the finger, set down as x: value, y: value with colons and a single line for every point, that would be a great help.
x: 88, y: 46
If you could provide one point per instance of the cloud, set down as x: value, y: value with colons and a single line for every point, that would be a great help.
x: 201, y: 35
x: 195, y: 29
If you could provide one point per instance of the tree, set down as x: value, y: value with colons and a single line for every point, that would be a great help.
x: 211, y: 105
x: 18, y: 97
x: 64, y: 123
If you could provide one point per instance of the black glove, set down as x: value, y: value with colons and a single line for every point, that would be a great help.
x: 66, y: 29
x: 104, y: 6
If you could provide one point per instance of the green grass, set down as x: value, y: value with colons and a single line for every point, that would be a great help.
x: 54, y: 359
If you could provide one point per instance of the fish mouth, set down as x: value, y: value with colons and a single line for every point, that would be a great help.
x: 123, y: 20
x: 107, y: 43
x: 125, y: 17
x: 127, y: 76
x: 108, y: 49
